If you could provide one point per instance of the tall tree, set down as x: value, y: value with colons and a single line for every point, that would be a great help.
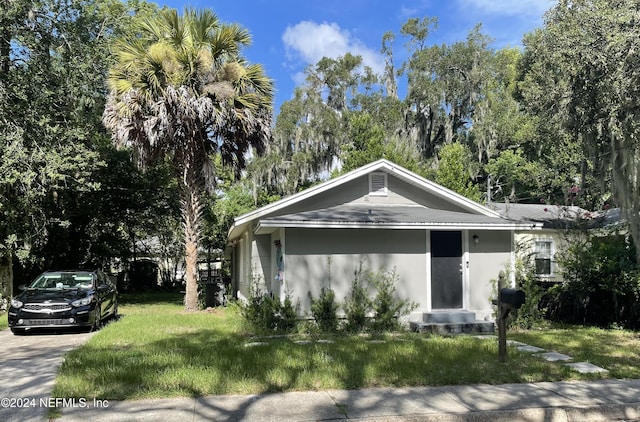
x: 368, y: 142
x: 445, y: 84
x: 182, y: 90
x: 454, y: 170
x: 584, y: 70
x: 53, y: 57
x: 312, y: 128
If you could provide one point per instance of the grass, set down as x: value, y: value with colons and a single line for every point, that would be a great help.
x: 616, y: 350
x: 158, y: 350
x: 4, y: 322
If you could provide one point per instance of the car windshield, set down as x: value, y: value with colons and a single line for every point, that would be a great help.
x: 63, y: 280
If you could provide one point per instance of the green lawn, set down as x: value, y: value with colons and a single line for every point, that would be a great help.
x: 157, y: 350
x: 4, y: 323
x: 616, y: 350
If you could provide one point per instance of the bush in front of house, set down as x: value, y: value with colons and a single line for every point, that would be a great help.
x: 532, y: 312
x: 357, y: 304
x: 382, y: 311
x: 387, y: 308
x: 324, y: 310
x: 266, y: 314
x: 287, y: 315
x: 371, y: 305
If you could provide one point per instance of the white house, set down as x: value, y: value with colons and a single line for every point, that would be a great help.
x: 445, y: 248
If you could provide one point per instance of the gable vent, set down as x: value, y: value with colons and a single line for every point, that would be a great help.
x: 378, y: 184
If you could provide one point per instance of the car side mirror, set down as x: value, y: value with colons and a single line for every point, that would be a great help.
x: 22, y: 287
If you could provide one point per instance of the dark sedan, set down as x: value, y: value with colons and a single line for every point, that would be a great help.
x: 64, y: 299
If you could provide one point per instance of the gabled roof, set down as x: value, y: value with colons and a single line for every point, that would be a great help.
x: 401, y: 173
x: 389, y: 217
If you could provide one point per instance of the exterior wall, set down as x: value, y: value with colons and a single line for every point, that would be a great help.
x: 357, y: 192
x: 487, y: 258
x: 261, y: 271
x: 317, y: 258
x: 401, y: 189
x: 252, y: 262
x: 255, y: 261
x: 244, y: 264
x: 525, y: 248
x: 277, y: 284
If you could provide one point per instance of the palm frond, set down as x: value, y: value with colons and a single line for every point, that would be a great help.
x: 228, y: 39
x: 182, y: 89
x: 202, y: 25
x: 256, y: 81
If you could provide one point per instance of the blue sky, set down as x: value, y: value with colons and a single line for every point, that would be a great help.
x: 288, y: 35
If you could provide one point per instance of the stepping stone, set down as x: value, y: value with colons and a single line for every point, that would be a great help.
x: 255, y: 343
x: 302, y: 342
x: 376, y: 341
x: 325, y: 341
x: 585, y: 367
x: 530, y: 349
x: 489, y: 337
x: 515, y: 343
x: 555, y: 356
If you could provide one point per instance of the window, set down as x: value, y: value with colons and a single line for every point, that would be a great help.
x: 543, y: 255
x: 378, y: 184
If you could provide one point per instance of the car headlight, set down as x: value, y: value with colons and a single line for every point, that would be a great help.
x: 82, y: 302
x: 16, y: 303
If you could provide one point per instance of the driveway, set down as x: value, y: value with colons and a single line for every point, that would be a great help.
x: 28, y: 371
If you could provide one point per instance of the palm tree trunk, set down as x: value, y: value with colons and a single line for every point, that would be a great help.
x: 191, y: 214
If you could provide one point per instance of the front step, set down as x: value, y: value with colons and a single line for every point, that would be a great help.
x: 451, y: 322
x: 452, y: 328
x: 451, y: 316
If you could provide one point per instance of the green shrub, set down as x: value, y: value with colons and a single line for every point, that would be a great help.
x: 287, y: 315
x: 533, y: 310
x: 265, y: 314
x: 387, y: 308
x: 602, y: 282
x: 259, y: 313
x: 357, y: 305
x: 324, y: 310
x: 380, y: 313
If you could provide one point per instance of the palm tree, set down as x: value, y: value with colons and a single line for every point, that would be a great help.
x: 181, y: 90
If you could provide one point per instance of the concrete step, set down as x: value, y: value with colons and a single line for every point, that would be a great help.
x: 457, y: 316
x: 452, y: 327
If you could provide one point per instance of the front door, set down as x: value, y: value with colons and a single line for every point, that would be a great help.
x: 446, y: 269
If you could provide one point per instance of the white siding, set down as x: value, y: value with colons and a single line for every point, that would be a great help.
x: 311, y: 252
x: 487, y: 258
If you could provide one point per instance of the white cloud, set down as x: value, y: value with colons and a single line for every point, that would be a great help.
x: 528, y: 8
x: 310, y: 41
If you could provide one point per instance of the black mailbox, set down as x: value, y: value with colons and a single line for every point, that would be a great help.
x: 512, y: 298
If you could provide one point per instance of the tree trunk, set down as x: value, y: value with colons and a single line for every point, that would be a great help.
x: 191, y: 213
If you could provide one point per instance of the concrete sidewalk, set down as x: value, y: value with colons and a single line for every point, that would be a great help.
x: 606, y: 400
